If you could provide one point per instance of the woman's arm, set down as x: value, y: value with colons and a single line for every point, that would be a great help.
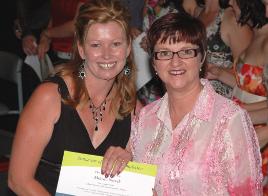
x: 237, y: 37
x: 259, y: 116
x: 33, y: 132
x: 64, y: 30
x: 242, y: 157
x: 255, y: 106
x: 262, y: 133
x: 224, y: 75
x: 116, y: 158
x: 44, y: 43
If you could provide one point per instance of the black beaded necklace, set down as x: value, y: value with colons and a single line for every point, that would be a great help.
x: 98, y: 112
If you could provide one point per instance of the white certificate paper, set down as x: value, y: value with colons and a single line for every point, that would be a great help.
x: 81, y: 175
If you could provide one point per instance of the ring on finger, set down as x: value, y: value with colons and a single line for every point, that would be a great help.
x: 123, y: 161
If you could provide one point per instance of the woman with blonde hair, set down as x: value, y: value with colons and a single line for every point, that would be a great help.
x: 85, y: 107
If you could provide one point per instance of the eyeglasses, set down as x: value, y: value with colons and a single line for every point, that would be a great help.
x: 183, y: 54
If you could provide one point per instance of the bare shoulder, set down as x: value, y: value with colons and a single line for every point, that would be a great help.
x: 36, y: 122
x: 49, y: 91
x: 45, y: 101
x: 229, y: 15
x: 236, y: 36
x: 230, y: 22
x: 46, y: 92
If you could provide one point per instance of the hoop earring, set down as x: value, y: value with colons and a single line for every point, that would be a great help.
x: 127, y: 70
x: 81, y: 72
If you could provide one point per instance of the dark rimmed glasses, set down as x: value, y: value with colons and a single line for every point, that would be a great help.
x: 183, y: 54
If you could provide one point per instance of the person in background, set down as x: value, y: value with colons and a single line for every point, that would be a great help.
x: 201, y: 142
x: 85, y: 107
x: 250, y: 75
x: 33, y: 17
x: 227, y: 33
x: 60, y: 31
x: 228, y: 36
x: 135, y: 9
x: 153, y: 9
x: 192, y: 7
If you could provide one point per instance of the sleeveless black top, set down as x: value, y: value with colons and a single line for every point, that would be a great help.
x: 70, y: 134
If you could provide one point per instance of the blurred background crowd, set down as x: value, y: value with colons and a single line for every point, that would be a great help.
x: 40, y: 34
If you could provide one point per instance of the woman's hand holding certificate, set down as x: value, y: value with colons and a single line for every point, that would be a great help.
x: 114, y: 161
x: 81, y: 175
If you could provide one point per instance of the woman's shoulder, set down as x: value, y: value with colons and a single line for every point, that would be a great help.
x: 64, y: 83
x: 229, y: 15
x: 44, y: 100
x: 51, y: 91
x: 226, y: 106
x: 151, y: 108
x: 47, y: 91
x: 229, y: 20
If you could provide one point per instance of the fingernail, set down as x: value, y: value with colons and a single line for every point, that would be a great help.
x: 111, y: 175
x: 106, y: 175
x: 102, y: 172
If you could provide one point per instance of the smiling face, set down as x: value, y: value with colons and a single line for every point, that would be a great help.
x: 178, y: 74
x: 105, y: 50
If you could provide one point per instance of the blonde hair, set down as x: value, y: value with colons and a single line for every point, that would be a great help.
x: 102, y: 11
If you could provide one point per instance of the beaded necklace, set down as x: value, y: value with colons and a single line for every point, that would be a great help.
x: 98, y: 112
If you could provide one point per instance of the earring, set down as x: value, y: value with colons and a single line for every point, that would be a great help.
x: 127, y: 70
x: 82, y: 73
x: 200, y: 69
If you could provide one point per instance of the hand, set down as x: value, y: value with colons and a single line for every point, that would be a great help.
x: 144, y: 44
x: 44, y: 45
x: 213, y: 72
x: 114, y: 161
x: 135, y: 32
x: 29, y: 45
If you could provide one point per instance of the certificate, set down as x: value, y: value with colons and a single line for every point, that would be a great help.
x: 81, y: 175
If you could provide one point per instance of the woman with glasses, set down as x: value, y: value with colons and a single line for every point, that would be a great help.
x: 202, y: 143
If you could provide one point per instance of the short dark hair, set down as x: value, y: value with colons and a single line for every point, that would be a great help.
x: 177, y: 27
x: 252, y: 12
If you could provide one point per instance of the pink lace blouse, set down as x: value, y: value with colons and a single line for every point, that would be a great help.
x: 212, y: 151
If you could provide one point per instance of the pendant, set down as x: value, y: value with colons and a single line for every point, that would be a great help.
x: 97, y: 113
